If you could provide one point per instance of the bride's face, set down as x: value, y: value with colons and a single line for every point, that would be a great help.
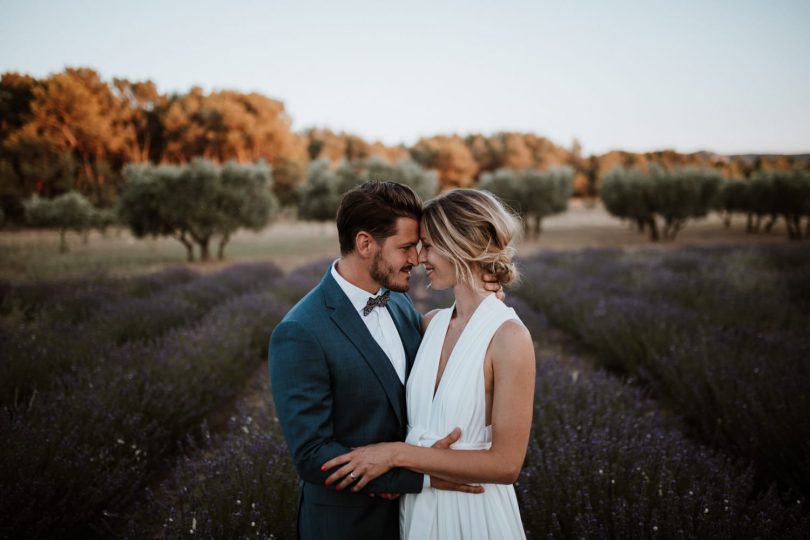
x: 440, y: 270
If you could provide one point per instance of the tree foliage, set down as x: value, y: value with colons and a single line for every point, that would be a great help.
x: 771, y: 195
x: 320, y: 197
x: 68, y: 212
x: 338, y: 147
x: 72, y: 130
x: 532, y: 193
x: 449, y: 157
x: 196, y: 202
x: 352, y: 173
x: 670, y: 197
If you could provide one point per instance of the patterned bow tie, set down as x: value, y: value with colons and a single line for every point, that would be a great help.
x: 379, y: 301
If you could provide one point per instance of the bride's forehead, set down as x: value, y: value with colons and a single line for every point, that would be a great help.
x: 424, y: 234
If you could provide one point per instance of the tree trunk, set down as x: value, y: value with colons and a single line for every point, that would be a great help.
x: 727, y: 220
x: 749, y: 226
x: 91, y: 177
x: 146, y: 144
x: 221, y: 249
x: 189, y: 246
x: 794, y: 233
x: 85, y: 236
x: 797, y: 226
x: 654, y: 236
x: 205, y: 254
x: 666, y: 232
x: 676, y: 228
x: 538, y: 227
x: 769, y: 224
x: 63, y: 246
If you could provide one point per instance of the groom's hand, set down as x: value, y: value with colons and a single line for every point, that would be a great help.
x: 439, y: 483
x: 451, y: 437
x: 387, y: 496
x: 491, y: 284
x: 446, y: 485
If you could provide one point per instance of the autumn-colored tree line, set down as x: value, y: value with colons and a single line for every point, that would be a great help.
x: 75, y: 131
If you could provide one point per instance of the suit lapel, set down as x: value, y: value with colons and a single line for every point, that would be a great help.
x: 348, y: 320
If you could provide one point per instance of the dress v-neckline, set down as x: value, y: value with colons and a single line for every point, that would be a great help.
x: 437, y: 385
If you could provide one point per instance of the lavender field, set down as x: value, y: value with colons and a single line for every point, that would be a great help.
x: 671, y: 397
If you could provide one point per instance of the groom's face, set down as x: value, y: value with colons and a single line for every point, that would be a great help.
x: 396, y: 256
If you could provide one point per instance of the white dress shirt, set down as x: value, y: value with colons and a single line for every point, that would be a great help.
x: 379, y: 323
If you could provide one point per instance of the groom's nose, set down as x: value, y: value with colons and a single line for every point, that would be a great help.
x: 413, y: 256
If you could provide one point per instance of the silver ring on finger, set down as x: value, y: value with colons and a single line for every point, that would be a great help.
x: 352, y: 476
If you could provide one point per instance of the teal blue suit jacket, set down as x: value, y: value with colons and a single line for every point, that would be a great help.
x: 334, y: 388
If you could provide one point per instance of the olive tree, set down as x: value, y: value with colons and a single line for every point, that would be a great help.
x: 534, y: 194
x: 659, y: 199
x: 733, y: 198
x: 197, y: 202
x: 775, y: 194
x: 320, y: 196
x: 353, y: 173
x: 66, y: 212
x: 790, y: 199
x: 546, y: 193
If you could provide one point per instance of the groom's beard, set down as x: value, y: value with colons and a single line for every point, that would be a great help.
x: 387, y: 276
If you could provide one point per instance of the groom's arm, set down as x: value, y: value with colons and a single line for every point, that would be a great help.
x: 302, y: 394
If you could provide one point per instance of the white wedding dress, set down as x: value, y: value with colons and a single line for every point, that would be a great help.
x: 459, y: 402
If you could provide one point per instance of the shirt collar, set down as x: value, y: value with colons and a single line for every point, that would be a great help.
x: 357, y: 296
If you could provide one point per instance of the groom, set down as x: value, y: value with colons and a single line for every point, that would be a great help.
x: 339, y: 361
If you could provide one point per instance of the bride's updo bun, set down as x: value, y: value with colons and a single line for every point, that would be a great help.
x: 475, y: 231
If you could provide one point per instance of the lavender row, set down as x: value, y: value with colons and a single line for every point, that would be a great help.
x: 719, y: 335
x: 238, y: 485
x: 604, y: 462
x: 34, y: 352
x: 77, y: 454
x: 77, y: 298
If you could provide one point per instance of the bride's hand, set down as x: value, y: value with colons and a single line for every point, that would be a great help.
x: 361, y: 465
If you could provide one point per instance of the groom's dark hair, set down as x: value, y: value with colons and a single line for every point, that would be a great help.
x: 374, y: 207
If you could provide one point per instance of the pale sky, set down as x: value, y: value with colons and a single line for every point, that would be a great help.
x: 723, y: 76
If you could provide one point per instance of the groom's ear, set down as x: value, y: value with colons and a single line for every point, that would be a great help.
x: 364, y: 244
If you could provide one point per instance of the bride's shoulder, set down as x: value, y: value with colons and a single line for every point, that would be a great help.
x: 512, y: 329
x: 512, y: 340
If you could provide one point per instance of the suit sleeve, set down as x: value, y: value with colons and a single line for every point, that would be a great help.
x: 302, y: 395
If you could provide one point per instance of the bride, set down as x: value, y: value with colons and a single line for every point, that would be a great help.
x: 475, y: 370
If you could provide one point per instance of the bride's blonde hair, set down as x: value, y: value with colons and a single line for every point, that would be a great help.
x: 475, y: 231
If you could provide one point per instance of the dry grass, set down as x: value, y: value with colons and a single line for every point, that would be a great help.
x: 33, y: 255
x: 592, y: 227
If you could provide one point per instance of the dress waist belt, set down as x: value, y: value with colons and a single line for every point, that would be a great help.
x: 419, y: 436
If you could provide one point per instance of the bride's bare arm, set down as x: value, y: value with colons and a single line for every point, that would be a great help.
x: 512, y: 354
